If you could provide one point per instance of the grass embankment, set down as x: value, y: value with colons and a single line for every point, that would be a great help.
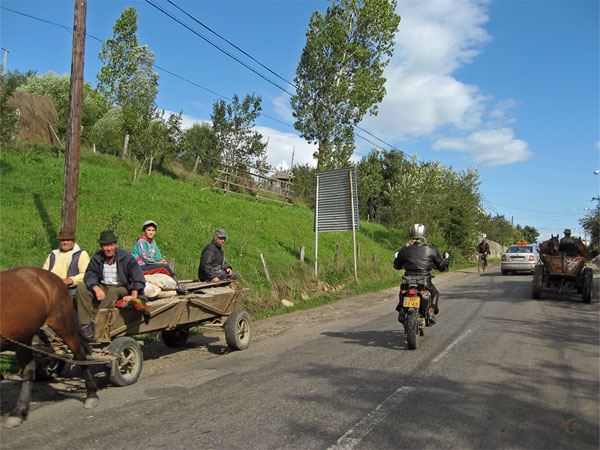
x: 31, y: 182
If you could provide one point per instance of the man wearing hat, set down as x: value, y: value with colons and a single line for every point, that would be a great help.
x: 212, y: 261
x: 113, y: 274
x: 568, y: 245
x: 68, y: 261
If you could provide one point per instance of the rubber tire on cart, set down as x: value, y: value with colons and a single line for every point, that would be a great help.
x: 587, y: 281
x: 128, y: 367
x: 238, y: 330
x: 504, y: 272
x: 538, y: 281
x: 46, y: 368
x: 411, y: 328
x: 177, y: 337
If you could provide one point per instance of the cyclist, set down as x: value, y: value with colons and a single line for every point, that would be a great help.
x: 483, y: 249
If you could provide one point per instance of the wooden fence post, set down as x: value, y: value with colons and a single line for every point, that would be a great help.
x: 266, y: 270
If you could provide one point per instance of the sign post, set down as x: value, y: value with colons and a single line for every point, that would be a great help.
x: 336, y: 206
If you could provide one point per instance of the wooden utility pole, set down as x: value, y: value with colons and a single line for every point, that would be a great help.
x: 4, y: 61
x: 71, y: 177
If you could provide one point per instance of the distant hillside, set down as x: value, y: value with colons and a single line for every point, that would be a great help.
x: 30, y: 209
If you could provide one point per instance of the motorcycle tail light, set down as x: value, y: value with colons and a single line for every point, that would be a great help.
x: 412, y: 292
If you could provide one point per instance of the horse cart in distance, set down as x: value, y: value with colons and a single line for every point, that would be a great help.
x: 563, y: 272
x: 209, y: 305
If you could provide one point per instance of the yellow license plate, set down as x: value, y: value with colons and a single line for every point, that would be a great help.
x: 411, y: 302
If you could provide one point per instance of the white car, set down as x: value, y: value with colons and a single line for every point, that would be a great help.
x: 520, y: 257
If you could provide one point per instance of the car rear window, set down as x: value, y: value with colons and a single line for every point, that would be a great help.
x: 520, y: 249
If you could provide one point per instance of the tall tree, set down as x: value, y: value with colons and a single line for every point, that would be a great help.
x: 233, y: 125
x: 340, y: 75
x: 591, y: 225
x: 159, y: 138
x: 200, y: 149
x: 126, y: 80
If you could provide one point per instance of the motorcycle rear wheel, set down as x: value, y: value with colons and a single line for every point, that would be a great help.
x: 411, y: 328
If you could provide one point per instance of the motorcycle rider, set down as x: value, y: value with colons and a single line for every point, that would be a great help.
x: 418, y: 258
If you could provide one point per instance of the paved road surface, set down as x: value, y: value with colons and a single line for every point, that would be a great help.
x: 499, y: 370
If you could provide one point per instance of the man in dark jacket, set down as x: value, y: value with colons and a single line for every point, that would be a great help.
x: 568, y: 245
x: 113, y: 274
x: 418, y: 258
x: 484, y: 249
x: 212, y: 261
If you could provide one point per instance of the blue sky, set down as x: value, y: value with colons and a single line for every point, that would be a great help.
x: 508, y: 87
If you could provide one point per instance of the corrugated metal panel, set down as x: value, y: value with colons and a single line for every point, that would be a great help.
x: 333, y: 211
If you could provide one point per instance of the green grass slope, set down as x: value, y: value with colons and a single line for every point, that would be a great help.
x: 30, y: 212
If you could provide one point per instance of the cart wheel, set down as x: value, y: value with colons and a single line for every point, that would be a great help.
x: 128, y: 366
x: 504, y: 272
x: 176, y: 337
x: 538, y: 281
x: 238, y: 330
x: 586, y: 289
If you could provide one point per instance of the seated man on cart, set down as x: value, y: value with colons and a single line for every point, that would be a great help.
x: 113, y: 277
x: 569, y: 246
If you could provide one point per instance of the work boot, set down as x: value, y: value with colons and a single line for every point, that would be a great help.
x: 87, y: 331
x: 401, y: 317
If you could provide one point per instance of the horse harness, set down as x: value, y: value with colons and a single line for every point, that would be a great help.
x: 54, y: 355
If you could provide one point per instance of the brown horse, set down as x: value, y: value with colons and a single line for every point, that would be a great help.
x: 550, y: 246
x: 29, y: 299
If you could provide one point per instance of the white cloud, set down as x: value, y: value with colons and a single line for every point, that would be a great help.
x: 424, y: 97
x: 488, y: 147
x: 282, y: 145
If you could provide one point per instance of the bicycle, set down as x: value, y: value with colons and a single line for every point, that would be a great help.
x: 481, y: 263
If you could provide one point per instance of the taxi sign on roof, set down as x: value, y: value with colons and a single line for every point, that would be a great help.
x: 521, y: 243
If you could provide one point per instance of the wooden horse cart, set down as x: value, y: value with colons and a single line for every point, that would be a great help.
x: 209, y: 305
x: 563, y: 272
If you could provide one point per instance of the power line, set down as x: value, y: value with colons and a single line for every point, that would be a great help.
x: 217, y: 47
x: 232, y: 44
x: 253, y: 59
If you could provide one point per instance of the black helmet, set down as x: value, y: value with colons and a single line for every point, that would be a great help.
x: 418, y: 231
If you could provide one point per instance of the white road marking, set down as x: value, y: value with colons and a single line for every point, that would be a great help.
x: 354, y: 435
x: 452, y: 345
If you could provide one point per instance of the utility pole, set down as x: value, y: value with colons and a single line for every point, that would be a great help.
x: 4, y: 61
x: 71, y: 177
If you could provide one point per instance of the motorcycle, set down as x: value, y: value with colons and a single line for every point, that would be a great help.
x: 417, y: 308
x: 415, y: 301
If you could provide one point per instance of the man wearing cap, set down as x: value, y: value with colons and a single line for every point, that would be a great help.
x: 68, y: 261
x: 112, y: 274
x: 568, y: 245
x: 212, y: 262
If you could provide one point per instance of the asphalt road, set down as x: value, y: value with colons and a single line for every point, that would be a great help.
x: 499, y: 370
